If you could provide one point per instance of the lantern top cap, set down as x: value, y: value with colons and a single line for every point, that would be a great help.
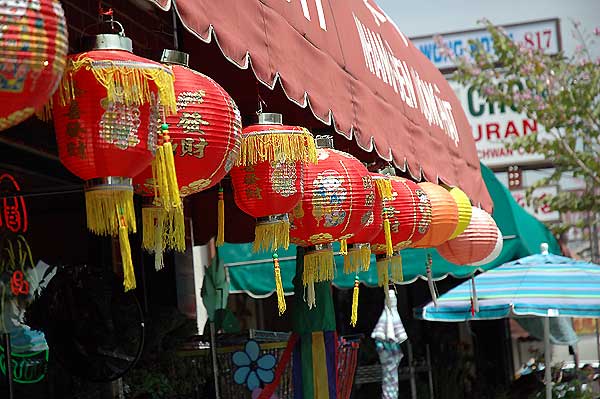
x: 175, y: 57
x: 270, y: 118
x: 109, y: 41
x: 388, y: 171
x: 324, y: 141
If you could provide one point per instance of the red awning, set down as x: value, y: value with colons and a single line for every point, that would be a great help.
x: 349, y: 63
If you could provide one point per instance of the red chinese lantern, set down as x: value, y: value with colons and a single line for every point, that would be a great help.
x: 205, y: 135
x: 409, y: 215
x: 359, y: 246
x: 476, y: 243
x: 338, y: 196
x: 34, y: 47
x: 269, y: 189
x: 106, y: 118
x: 444, y: 216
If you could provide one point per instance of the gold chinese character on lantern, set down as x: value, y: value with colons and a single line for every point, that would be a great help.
x: 192, y: 122
x: 193, y: 147
x: 253, y: 192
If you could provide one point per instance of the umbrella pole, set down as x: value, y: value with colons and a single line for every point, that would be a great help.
x: 547, y: 358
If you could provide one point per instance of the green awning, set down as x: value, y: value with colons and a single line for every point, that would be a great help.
x: 253, y: 273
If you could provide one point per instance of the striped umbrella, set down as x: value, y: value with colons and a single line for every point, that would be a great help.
x: 543, y: 285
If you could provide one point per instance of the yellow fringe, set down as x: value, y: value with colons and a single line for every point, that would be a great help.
x: 174, y: 234
x: 397, y: 275
x: 153, y: 220
x: 221, y: 219
x: 357, y: 259
x: 318, y: 266
x: 389, y: 246
x: 127, y: 84
x: 277, y: 147
x: 278, y: 285
x: 354, y: 314
x: 383, y: 274
x: 100, y: 205
x: 128, y: 272
x: 171, y: 174
x: 269, y: 237
x: 384, y: 186
x: 343, y: 247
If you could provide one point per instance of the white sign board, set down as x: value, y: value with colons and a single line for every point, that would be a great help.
x: 543, y: 35
x: 543, y: 213
x: 494, y: 126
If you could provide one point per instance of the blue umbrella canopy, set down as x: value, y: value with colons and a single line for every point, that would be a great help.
x: 544, y: 285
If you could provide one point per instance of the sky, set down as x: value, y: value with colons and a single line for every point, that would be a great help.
x: 423, y: 17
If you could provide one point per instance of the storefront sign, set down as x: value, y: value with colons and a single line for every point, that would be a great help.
x: 541, y: 35
x: 27, y: 368
x: 496, y: 125
x: 543, y: 212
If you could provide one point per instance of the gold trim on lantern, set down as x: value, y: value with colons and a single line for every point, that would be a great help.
x: 275, y: 146
x: 125, y: 81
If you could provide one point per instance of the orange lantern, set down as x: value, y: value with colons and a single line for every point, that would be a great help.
x: 409, y: 214
x: 205, y: 134
x: 338, y: 197
x: 476, y: 243
x: 34, y: 47
x: 444, y: 216
x: 106, y: 115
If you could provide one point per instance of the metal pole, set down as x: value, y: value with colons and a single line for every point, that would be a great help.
x: 9, y: 371
x: 213, y: 352
x: 429, y: 371
x: 597, y: 340
x: 547, y: 358
x: 413, y: 382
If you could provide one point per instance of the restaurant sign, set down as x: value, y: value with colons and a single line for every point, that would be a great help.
x: 540, y: 35
x: 494, y: 126
x: 543, y: 213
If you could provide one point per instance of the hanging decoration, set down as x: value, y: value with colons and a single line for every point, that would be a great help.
x: 444, y: 216
x: 204, y: 136
x: 34, y: 46
x: 338, y: 198
x: 106, y: 118
x: 464, y: 210
x: 476, y: 243
x: 271, y: 187
x: 409, y: 215
x: 358, y: 247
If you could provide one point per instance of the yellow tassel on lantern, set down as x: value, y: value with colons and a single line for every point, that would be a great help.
x: 318, y: 266
x: 397, y: 275
x: 384, y: 186
x: 387, y: 230
x: 354, y: 314
x: 100, y: 204
x: 153, y: 233
x: 278, y: 285
x: 343, y: 247
x: 383, y: 274
x: 221, y: 218
x: 358, y: 258
x: 128, y: 272
x: 277, y: 146
x: 271, y: 235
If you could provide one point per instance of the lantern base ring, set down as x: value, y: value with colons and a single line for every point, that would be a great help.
x: 278, y: 218
x: 109, y: 183
x: 318, y: 248
x: 358, y: 247
x: 382, y: 257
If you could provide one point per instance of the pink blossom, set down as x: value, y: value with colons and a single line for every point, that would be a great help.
x: 488, y: 91
x: 597, y: 31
